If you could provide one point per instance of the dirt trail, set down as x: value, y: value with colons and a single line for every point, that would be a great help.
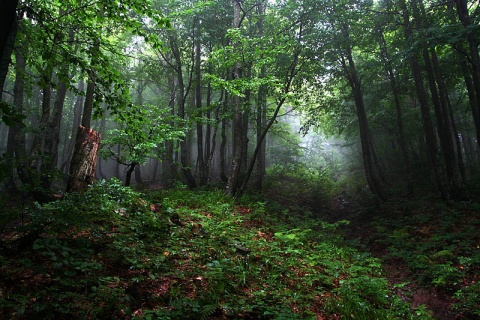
x: 360, y: 230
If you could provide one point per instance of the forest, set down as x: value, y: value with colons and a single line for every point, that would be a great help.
x: 240, y: 159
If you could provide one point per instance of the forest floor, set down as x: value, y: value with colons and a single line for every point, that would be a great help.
x: 430, y: 249
x: 362, y: 233
x: 175, y: 254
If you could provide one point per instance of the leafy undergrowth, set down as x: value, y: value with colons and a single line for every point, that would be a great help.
x: 432, y: 250
x: 112, y: 253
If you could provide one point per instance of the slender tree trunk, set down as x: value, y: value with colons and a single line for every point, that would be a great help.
x: 198, y: 103
x: 429, y: 132
x: 168, y: 166
x: 90, y: 93
x: 138, y: 175
x: 211, y: 148
x: 52, y: 137
x: 223, y: 143
x: 209, y: 141
x: 101, y: 131
x: 246, y: 104
x: 77, y: 116
x: 16, y: 134
x: 474, y: 59
x: 260, y: 126
x: 39, y: 138
x: 399, y: 113
x: 372, y: 170
x: 235, y: 166
x: 439, y: 96
x: 261, y: 116
x: 184, y: 158
x: 261, y: 139
x: 89, y: 101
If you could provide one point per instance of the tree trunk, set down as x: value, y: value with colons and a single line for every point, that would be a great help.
x: 399, y: 112
x: 261, y: 116
x: 77, y: 116
x: 16, y: 134
x: 8, y: 25
x: 84, y: 160
x: 223, y: 143
x: 52, y: 138
x: 101, y: 131
x: 39, y: 138
x: 235, y: 166
x: 198, y: 103
x: 138, y: 175
x: 209, y: 140
x: 372, y: 170
x: 128, y: 175
x: 474, y: 59
x: 261, y: 139
x: 429, y: 132
x: 91, y: 86
x: 168, y: 165
x: 455, y: 188
x: 181, y: 95
x: 211, y: 147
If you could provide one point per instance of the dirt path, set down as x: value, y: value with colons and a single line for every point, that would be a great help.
x: 361, y: 231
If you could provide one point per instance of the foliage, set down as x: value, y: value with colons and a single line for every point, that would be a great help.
x: 9, y: 115
x: 182, y: 254
x: 312, y: 188
x: 437, y: 245
x: 141, y: 132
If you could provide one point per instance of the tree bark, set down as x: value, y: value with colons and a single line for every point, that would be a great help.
x: 39, y: 138
x: 181, y: 95
x: 8, y: 25
x: 455, y: 188
x: 235, y: 166
x: 399, y: 113
x: 128, y: 174
x: 211, y: 147
x: 138, y: 175
x: 84, y: 160
x: 372, y: 171
x: 474, y: 59
x: 16, y: 134
x: 77, y: 116
x: 198, y: 104
x: 429, y: 132
x: 261, y: 116
x: 223, y: 143
x: 52, y: 138
x: 91, y: 86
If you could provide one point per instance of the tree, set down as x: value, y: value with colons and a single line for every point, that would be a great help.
x: 8, y: 25
x: 141, y: 131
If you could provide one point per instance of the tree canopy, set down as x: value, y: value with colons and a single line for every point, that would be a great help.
x: 394, y: 78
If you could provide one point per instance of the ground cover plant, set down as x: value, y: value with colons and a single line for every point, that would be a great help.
x: 115, y: 253
x: 438, y: 243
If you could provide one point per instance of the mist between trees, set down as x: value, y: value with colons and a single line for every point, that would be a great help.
x: 223, y: 92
